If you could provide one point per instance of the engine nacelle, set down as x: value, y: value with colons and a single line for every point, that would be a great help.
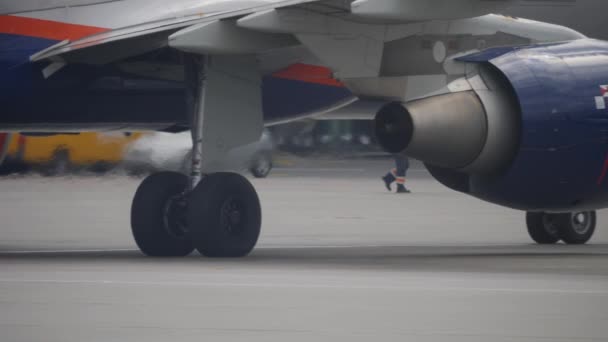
x: 529, y: 131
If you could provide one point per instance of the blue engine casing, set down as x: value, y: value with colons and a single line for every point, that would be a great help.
x: 561, y: 163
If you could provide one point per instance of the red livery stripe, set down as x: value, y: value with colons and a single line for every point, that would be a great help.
x: 45, y: 28
x: 310, y: 74
x: 600, y: 180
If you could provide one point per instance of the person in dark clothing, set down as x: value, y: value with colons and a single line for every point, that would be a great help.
x: 397, y: 175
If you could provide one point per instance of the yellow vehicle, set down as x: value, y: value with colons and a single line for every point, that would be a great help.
x: 57, y: 153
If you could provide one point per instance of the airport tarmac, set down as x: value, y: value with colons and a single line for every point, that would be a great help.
x: 339, y: 259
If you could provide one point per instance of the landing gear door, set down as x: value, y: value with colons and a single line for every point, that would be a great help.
x: 233, y: 114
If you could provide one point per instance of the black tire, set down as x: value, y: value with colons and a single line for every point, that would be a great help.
x: 261, y: 165
x: 543, y: 227
x: 216, y: 200
x: 577, y: 228
x: 158, y: 216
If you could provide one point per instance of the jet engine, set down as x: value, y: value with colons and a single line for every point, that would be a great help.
x: 527, y: 129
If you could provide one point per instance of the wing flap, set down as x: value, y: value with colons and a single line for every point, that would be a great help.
x: 225, y: 37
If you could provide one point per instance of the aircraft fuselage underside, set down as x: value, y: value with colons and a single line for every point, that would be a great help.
x: 143, y: 93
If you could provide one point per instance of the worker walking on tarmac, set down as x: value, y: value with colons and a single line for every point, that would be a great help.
x: 397, y: 175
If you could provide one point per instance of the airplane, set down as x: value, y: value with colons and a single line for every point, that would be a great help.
x: 503, y: 100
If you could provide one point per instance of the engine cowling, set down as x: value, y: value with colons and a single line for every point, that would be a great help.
x: 528, y: 131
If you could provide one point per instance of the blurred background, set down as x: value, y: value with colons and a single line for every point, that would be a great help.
x: 140, y: 153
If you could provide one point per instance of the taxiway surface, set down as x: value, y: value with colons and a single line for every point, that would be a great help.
x: 339, y: 259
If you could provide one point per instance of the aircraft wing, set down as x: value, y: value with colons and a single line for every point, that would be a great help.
x: 127, y: 41
x: 264, y: 28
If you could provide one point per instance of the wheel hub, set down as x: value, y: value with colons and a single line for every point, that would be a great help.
x: 174, y: 216
x: 581, y: 222
x: 550, y: 225
x: 232, y: 216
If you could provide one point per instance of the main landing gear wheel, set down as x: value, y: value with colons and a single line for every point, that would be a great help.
x: 573, y: 228
x: 158, y: 216
x: 218, y: 214
x: 224, y: 216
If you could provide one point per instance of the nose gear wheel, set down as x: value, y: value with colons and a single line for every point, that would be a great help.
x: 572, y: 228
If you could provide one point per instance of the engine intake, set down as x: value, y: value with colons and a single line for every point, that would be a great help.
x: 448, y: 130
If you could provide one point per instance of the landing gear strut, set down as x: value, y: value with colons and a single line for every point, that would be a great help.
x: 217, y: 214
x: 572, y: 228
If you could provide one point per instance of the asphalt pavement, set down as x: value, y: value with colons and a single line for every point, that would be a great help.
x: 339, y: 259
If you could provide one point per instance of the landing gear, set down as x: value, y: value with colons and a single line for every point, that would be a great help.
x: 571, y: 228
x: 542, y: 228
x: 225, y: 215
x: 577, y: 228
x: 217, y: 214
x: 158, y: 216
x: 221, y: 217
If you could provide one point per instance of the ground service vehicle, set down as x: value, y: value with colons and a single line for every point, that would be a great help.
x: 55, y: 154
